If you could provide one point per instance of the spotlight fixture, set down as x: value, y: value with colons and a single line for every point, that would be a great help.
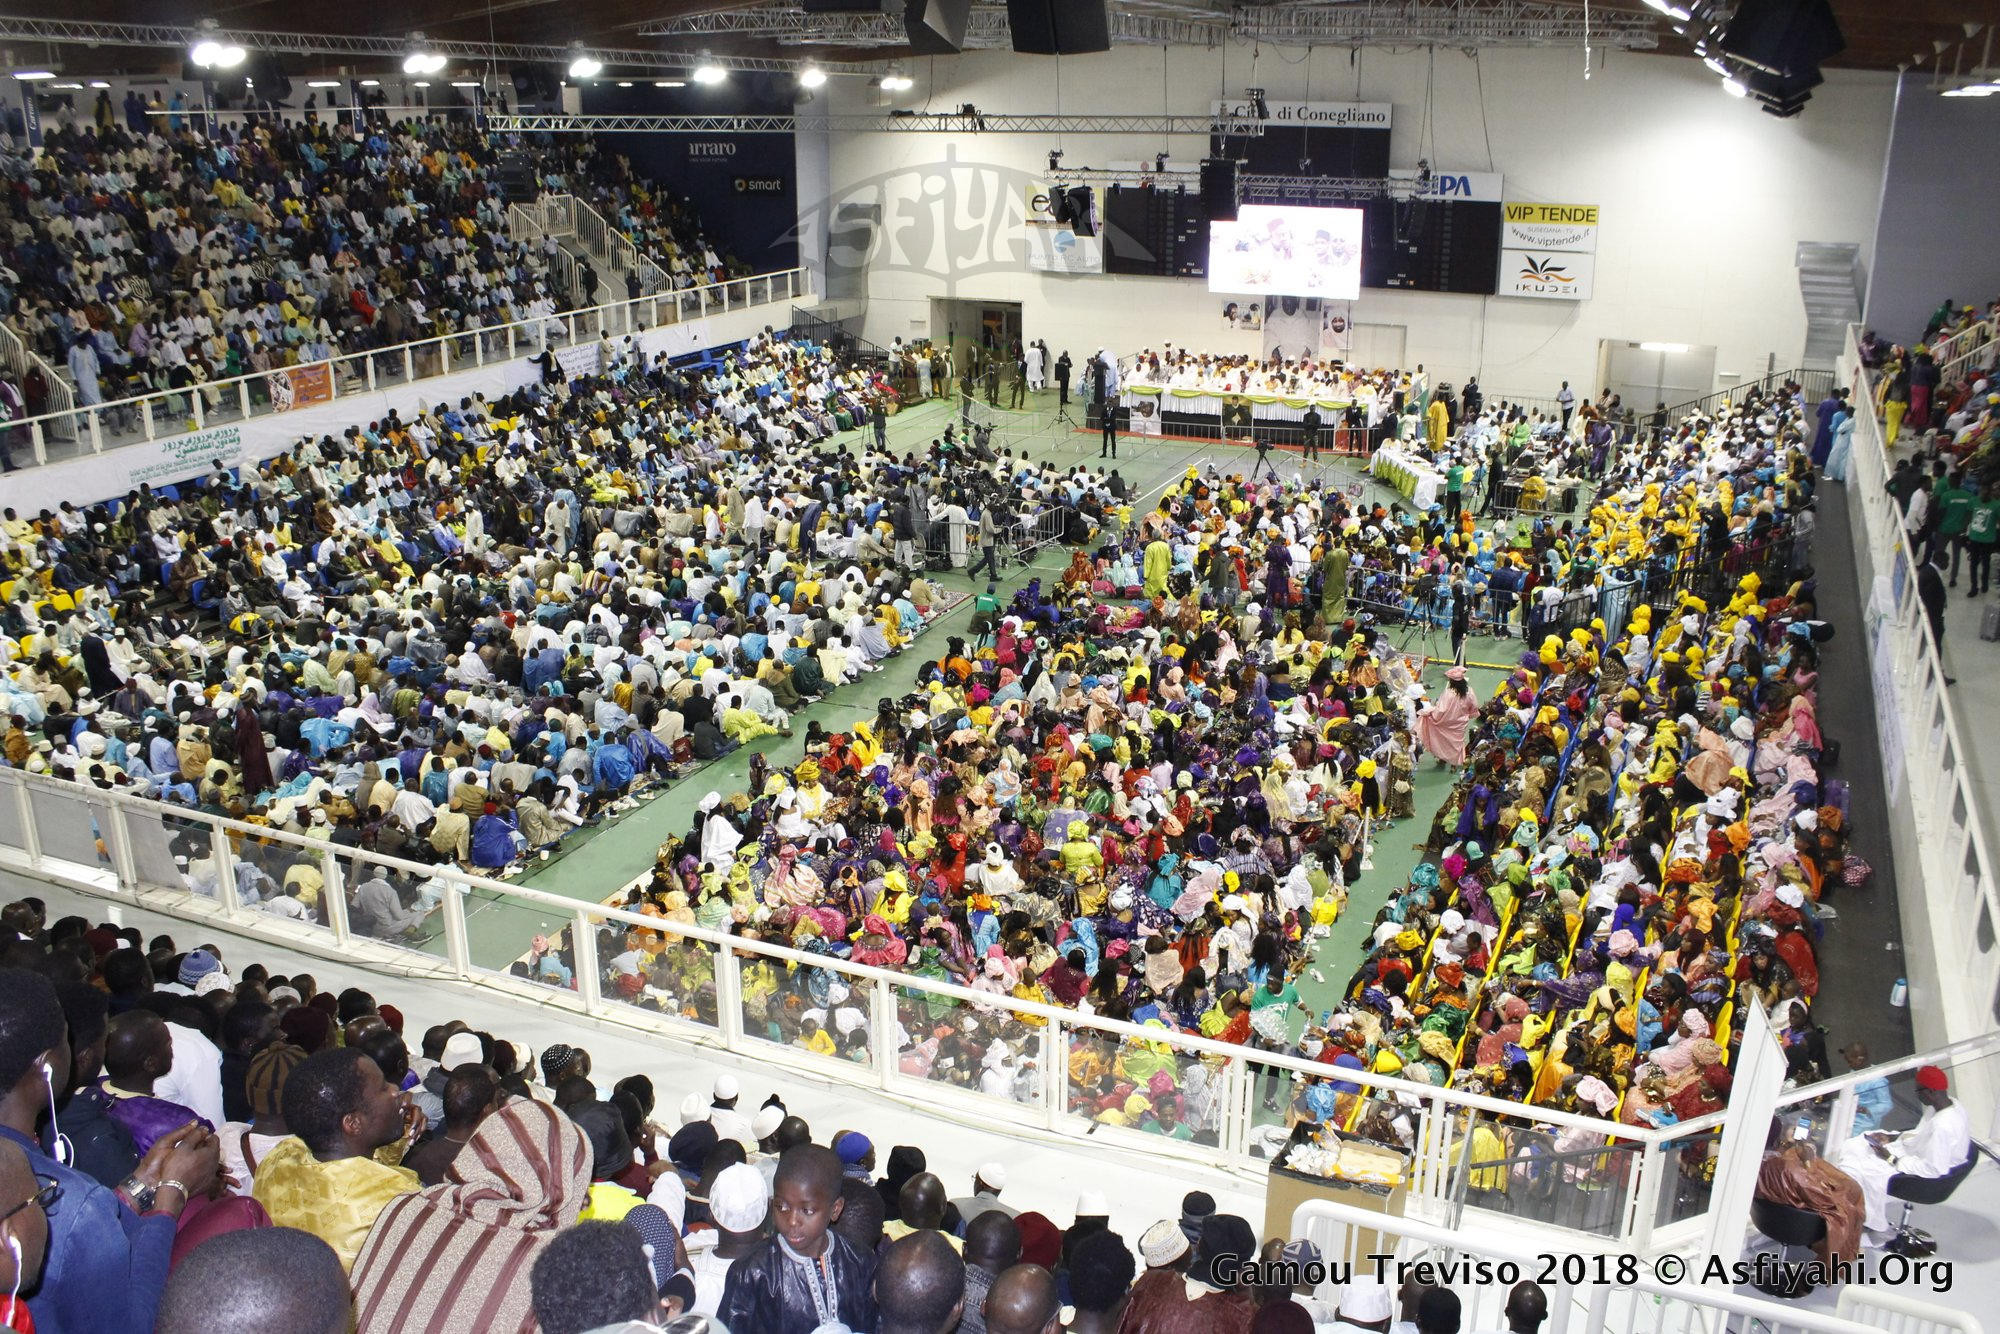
x: 585, y: 67
x: 1679, y: 13
x: 34, y: 75
x: 895, y: 81
x: 1735, y: 87
x: 708, y: 73
x: 1055, y: 160
x: 670, y: 83
x: 812, y: 76
x: 421, y: 60
x: 211, y: 54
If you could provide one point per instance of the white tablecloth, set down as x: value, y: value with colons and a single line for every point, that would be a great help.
x: 1409, y: 474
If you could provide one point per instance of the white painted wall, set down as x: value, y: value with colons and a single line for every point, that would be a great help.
x: 1703, y: 196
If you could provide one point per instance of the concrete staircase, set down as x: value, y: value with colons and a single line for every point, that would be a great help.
x: 1830, y: 285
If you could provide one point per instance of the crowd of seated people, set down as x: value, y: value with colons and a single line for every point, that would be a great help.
x: 1641, y: 836
x: 201, y: 1147
x: 662, y: 224
x: 456, y: 638
x: 1143, y: 793
x: 1140, y: 789
x: 162, y: 259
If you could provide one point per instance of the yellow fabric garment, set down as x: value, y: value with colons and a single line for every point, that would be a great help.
x: 336, y: 1202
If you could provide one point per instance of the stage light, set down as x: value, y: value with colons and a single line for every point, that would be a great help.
x: 708, y: 73
x: 322, y: 83
x: 34, y: 75
x: 1735, y: 87
x: 812, y: 76
x: 211, y: 54
x: 670, y: 83
x: 1671, y: 10
x: 422, y: 62
x: 1716, y: 65
x: 585, y: 67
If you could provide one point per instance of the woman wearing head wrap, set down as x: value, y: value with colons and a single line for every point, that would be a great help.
x: 457, y: 1256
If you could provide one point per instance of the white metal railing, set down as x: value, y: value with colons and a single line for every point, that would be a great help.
x: 1957, y: 872
x: 1892, y: 1312
x: 1588, y: 1294
x: 19, y: 358
x: 122, y: 847
x: 1967, y: 343
x: 240, y: 398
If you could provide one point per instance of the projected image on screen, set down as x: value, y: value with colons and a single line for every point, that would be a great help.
x: 1287, y: 250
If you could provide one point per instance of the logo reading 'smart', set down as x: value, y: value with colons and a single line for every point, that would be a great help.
x: 760, y: 185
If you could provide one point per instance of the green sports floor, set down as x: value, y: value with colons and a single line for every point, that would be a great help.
x: 594, y: 863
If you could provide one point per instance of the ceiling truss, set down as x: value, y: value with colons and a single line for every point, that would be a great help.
x: 957, y: 122
x: 81, y: 33
x: 1394, y: 23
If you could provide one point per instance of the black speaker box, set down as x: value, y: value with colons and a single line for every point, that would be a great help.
x: 1218, y: 190
x: 1060, y: 27
x: 1082, y: 211
x: 1792, y: 37
x: 937, y: 27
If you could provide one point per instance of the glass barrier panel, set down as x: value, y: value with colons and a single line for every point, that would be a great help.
x: 659, y: 973
x: 987, y: 1049
x: 72, y: 827
x: 1688, y: 1176
x: 284, y: 881
x: 171, y: 851
x: 814, y: 1009
x: 1544, y: 1174
x: 13, y: 830
x: 1150, y: 1087
x: 393, y: 906
x: 530, y: 942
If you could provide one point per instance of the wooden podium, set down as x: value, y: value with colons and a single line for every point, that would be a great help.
x: 1288, y: 1189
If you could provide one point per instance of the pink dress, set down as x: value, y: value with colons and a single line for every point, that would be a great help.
x: 1441, y: 728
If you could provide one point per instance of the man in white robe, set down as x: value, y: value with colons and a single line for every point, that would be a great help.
x: 1940, y: 1142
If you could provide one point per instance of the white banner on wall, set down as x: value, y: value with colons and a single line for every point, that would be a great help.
x: 1550, y: 275
x: 1314, y: 115
x: 1336, y: 328
x: 1568, y: 228
x: 1055, y: 247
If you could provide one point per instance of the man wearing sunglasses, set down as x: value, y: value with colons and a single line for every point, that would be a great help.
x: 107, y: 1251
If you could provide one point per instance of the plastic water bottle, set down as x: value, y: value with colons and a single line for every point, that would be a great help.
x: 1899, y: 994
